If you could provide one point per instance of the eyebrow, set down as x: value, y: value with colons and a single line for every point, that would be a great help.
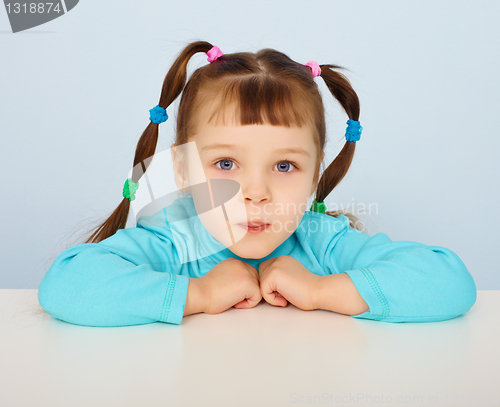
x: 288, y: 150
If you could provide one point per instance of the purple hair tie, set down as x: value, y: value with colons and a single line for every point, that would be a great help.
x: 214, y: 53
x: 316, y: 70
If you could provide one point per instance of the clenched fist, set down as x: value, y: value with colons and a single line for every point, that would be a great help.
x: 284, y: 279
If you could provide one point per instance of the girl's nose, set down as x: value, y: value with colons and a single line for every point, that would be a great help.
x: 256, y: 188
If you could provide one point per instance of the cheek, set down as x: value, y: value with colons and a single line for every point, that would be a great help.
x: 286, y: 224
x: 211, y: 171
x: 297, y: 191
x: 294, y: 185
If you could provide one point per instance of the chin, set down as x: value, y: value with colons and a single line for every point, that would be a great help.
x: 249, y: 252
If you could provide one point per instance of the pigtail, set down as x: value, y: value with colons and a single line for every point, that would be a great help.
x: 341, y: 89
x: 173, y: 85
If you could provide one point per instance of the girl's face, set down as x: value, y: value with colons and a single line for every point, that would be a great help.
x: 274, y: 167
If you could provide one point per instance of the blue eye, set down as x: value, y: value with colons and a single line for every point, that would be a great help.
x: 225, y: 164
x: 284, y: 165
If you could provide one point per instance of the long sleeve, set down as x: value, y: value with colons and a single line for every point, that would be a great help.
x: 401, y: 281
x: 130, y: 278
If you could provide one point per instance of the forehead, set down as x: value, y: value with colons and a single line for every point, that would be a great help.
x: 256, y: 137
x: 223, y: 131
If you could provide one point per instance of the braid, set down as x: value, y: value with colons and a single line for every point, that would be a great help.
x: 173, y: 85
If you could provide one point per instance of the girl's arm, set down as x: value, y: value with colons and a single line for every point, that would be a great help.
x: 337, y: 292
x: 130, y: 278
x: 400, y: 281
x: 195, y: 301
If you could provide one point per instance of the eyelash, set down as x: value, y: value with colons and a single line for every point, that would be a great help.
x: 284, y: 161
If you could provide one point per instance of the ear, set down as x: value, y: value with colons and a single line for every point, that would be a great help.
x: 315, y: 181
x: 313, y: 188
x: 179, y: 171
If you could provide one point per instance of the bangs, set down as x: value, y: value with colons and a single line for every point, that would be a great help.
x: 257, y: 99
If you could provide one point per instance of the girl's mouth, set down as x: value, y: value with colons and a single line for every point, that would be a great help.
x: 254, y: 227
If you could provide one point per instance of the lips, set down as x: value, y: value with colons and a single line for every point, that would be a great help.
x: 253, y: 224
x: 255, y: 227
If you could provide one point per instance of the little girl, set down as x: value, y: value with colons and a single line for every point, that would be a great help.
x: 255, y: 128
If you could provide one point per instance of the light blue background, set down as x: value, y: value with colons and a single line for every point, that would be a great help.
x: 75, y: 95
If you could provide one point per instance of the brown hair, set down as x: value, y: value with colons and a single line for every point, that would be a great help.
x: 265, y: 87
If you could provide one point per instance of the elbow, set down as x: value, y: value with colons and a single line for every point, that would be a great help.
x: 55, y: 289
x: 462, y: 287
x: 46, y: 296
x: 466, y: 291
x: 43, y: 295
x: 450, y: 290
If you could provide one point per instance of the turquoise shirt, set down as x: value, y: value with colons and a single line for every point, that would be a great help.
x: 140, y: 275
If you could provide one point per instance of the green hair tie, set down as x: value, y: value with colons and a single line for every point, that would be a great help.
x: 130, y: 188
x: 318, y: 206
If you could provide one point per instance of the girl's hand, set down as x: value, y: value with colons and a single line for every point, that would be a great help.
x: 232, y: 282
x: 284, y: 279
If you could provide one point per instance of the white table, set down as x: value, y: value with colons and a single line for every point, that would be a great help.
x: 264, y: 356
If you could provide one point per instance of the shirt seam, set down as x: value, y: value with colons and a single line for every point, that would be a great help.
x: 168, y: 298
x: 429, y: 316
x: 378, y: 292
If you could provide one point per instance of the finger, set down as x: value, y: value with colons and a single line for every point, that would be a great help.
x: 251, y: 301
x: 271, y: 296
x: 279, y: 300
x: 263, y: 292
x: 241, y: 304
x: 255, y: 298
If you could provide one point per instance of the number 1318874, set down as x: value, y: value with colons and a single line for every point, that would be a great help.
x: 33, y: 8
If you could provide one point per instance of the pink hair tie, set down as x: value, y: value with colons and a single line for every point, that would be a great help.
x: 214, y: 53
x: 316, y: 70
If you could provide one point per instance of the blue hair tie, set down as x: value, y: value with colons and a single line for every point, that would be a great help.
x: 353, y: 131
x: 158, y: 114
